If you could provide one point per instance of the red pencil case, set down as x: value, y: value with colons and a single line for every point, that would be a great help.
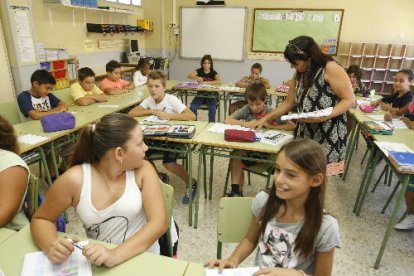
x: 235, y: 135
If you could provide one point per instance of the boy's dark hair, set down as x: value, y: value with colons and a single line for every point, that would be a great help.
x: 142, y: 62
x: 257, y: 66
x: 8, y: 139
x: 356, y: 70
x: 42, y: 77
x: 112, y: 65
x: 408, y: 73
x: 158, y: 75
x: 85, y: 72
x: 256, y: 91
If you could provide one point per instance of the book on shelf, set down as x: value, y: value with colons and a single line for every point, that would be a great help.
x: 178, y: 131
x: 404, y: 160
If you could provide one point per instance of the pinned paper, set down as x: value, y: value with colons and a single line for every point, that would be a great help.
x: 88, y: 45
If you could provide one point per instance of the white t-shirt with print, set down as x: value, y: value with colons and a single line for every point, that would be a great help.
x: 170, y: 104
x: 276, y: 246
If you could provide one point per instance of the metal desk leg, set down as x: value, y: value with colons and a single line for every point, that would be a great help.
x: 351, y: 146
x: 44, y: 161
x: 210, y: 195
x: 202, y: 152
x: 392, y: 220
x: 201, y: 157
x: 368, y: 180
x: 190, y: 186
x: 225, y: 102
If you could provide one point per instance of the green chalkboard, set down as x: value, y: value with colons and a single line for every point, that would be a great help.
x: 273, y: 28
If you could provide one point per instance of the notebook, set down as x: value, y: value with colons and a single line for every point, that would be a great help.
x: 377, y: 127
x: 405, y: 160
x: 179, y: 131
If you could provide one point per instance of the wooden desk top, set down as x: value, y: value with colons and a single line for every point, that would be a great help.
x: 12, y: 253
x: 217, y: 140
x: 5, y: 234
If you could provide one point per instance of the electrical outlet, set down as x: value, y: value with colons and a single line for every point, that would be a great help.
x: 176, y: 30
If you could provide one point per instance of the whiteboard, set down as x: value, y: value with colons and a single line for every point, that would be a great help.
x: 218, y: 31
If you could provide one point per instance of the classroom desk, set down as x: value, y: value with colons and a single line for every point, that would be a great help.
x: 5, y: 234
x: 213, y: 144
x: 84, y: 115
x: 213, y: 93
x: 182, y: 146
x: 228, y: 94
x: 195, y: 269
x: 358, y: 117
x: 12, y: 253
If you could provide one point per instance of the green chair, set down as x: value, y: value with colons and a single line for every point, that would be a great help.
x: 168, y: 191
x: 235, y: 215
x: 31, y: 203
x: 10, y: 111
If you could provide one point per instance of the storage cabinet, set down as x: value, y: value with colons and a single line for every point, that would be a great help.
x: 59, y: 70
x: 379, y: 62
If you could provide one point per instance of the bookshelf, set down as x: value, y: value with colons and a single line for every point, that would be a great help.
x: 379, y: 62
x: 64, y: 71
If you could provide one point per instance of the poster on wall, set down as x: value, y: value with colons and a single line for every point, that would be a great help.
x: 22, y: 23
x: 26, y: 50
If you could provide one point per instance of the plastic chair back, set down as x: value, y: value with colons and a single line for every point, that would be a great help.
x: 10, y: 111
x: 168, y: 191
x: 235, y: 215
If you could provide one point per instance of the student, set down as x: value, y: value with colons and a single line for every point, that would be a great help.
x: 14, y: 177
x: 292, y: 232
x: 355, y: 75
x: 38, y: 101
x: 254, y: 77
x: 140, y: 76
x: 401, y: 83
x: 402, y: 94
x: 113, y: 84
x: 166, y: 107
x: 115, y: 192
x: 85, y: 91
x: 205, y: 75
x: 256, y: 108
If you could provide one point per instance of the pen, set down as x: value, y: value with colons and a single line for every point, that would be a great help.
x: 163, y: 109
x: 77, y: 245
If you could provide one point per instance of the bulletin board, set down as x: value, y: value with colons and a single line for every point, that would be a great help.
x: 273, y: 28
x: 218, y: 31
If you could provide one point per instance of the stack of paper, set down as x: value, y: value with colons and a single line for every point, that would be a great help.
x: 386, y: 147
x: 231, y: 88
x: 274, y: 137
x: 405, y: 160
x: 313, y: 114
x: 189, y: 84
x: 155, y: 119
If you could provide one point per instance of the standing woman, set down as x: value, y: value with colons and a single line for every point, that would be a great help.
x: 318, y: 83
x: 115, y: 192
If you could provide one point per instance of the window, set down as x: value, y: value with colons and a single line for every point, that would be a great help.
x: 127, y: 2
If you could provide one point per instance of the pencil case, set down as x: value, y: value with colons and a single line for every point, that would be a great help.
x: 58, y: 121
x: 235, y: 135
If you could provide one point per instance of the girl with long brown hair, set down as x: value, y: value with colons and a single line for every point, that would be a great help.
x: 292, y: 232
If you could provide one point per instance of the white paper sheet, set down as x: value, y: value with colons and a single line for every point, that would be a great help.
x: 36, y: 263
x: 398, y: 124
x: 155, y: 119
x: 31, y: 139
x: 313, y: 114
x: 220, y: 128
x: 274, y: 137
x: 243, y: 271
x: 376, y: 117
x: 388, y: 146
x: 109, y: 105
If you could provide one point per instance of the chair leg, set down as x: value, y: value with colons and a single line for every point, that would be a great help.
x: 210, y: 196
x: 249, y: 179
x: 219, y: 249
x: 365, y: 155
x: 227, y: 179
x: 379, y: 178
x: 390, y: 197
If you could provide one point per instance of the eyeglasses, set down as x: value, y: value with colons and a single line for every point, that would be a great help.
x: 295, y: 49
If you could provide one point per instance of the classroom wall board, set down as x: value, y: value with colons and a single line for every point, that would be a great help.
x: 218, y: 31
x: 273, y: 28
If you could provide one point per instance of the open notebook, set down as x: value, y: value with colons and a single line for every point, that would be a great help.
x: 179, y: 131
